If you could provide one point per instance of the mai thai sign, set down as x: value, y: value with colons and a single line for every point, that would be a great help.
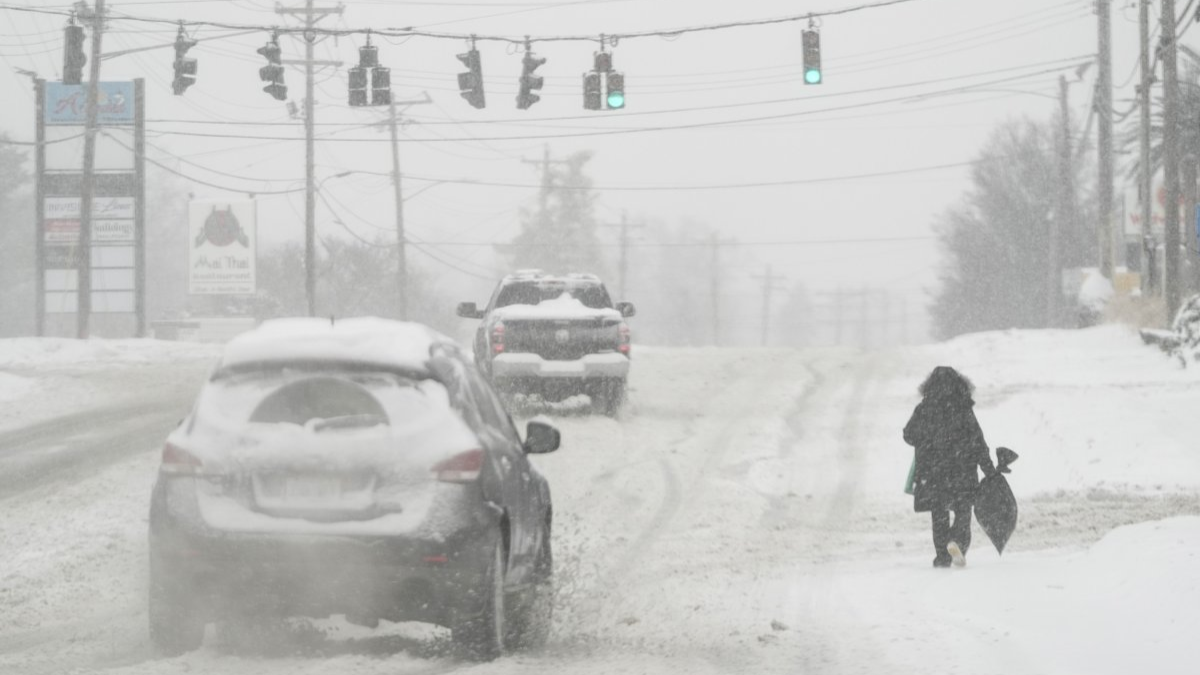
x: 223, y: 249
x: 67, y: 103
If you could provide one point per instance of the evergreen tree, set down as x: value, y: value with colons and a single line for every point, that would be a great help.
x: 560, y: 236
x: 997, y: 238
x: 17, y: 269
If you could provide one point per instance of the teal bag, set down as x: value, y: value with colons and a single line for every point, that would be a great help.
x: 912, y: 475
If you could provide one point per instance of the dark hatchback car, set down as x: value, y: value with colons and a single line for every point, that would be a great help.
x: 362, y: 468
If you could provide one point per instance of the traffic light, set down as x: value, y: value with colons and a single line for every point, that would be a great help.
x: 381, y: 86
x: 470, y: 83
x: 185, y: 68
x: 358, y: 86
x: 529, y: 81
x: 73, y: 57
x: 272, y: 73
x: 812, y: 57
x: 381, y: 79
x: 616, y: 91
x: 591, y: 91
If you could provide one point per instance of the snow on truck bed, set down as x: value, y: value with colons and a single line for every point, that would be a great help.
x: 562, y: 307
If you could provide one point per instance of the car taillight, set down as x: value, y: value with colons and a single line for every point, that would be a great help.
x: 624, y: 345
x: 461, y: 468
x: 177, y: 460
x: 498, y: 338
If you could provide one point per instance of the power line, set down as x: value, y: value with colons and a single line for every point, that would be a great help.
x: 1063, y: 63
x: 706, y: 244
x: 609, y: 38
x: 636, y: 130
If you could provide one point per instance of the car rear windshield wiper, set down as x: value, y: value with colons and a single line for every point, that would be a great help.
x: 346, y: 422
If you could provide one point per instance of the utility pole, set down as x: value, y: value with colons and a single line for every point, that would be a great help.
x: 864, y: 299
x: 547, y: 179
x: 839, y: 314
x: 1170, y: 159
x: 1104, y: 137
x: 714, y: 246
x: 83, y: 312
x: 1145, y: 176
x: 401, y: 240
x: 1066, y: 209
x: 623, y: 262
x: 398, y: 193
x: 311, y: 16
x: 770, y: 285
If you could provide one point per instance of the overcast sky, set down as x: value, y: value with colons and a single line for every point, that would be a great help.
x: 852, y: 124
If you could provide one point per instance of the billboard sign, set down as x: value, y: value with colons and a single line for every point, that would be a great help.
x: 222, y: 247
x: 67, y: 103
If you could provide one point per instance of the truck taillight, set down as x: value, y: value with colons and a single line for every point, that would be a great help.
x: 177, y: 460
x: 498, y: 338
x: 624, y: 345
x: 461, y: 468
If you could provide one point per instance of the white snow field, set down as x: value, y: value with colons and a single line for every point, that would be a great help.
x: 744, y: 515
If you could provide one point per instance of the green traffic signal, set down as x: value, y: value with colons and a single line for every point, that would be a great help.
x: 812, y: 56
x: 615, y: 90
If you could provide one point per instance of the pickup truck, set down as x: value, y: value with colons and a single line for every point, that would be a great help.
x: 555, y: 336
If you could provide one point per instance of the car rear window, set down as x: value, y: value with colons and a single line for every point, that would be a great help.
x: 592, y: 295
x: 322, y: 399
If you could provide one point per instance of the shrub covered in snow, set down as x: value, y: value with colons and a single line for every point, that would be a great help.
x: 1183, y: 339
x: 1187, y: 330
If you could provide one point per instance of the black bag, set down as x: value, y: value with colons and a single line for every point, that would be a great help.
x: 995, y: 505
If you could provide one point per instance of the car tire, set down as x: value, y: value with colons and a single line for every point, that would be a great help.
x: 481, y: 636
x: 176, y: 625
x: 534, y: 616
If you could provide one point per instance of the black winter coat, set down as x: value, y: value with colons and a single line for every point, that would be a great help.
x: 949, y: 446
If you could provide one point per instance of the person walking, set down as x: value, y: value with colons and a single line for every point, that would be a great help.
x: 949, y: 447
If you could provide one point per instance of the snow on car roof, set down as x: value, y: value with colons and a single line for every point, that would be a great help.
x: 363, y: 340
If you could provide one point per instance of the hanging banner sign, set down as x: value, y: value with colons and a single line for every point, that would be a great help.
x: 222, y: 248
x: 67, y: 103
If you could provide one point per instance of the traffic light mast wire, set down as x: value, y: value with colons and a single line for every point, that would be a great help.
x: 403, y: 32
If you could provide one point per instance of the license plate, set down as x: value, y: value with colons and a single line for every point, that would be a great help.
x: 312, y: 487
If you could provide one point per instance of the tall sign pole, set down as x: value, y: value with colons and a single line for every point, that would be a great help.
x: 139, y: 205
x: 88, y: 189
x: 1145, y: 176
x: 1104, y: 137
x: 310, y: 190
x: 1171, y: 239
x: 39, y: 87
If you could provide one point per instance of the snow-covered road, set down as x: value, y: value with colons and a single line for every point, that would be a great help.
x: 745, y: 515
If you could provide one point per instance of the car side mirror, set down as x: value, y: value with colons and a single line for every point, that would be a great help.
x: 541, y: 438
x: 468, y: 310
x: 626, y: 309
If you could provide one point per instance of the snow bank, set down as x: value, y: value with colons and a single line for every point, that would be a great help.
x: 13, y: 387
x: 1126, y: 605
x: 27, y: 353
